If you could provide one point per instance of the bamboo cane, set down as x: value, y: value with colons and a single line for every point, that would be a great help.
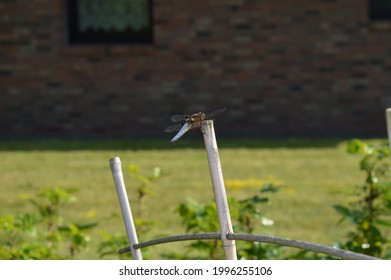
x: 219, y: 189
x: 388, y: 119
x: 115, y: 164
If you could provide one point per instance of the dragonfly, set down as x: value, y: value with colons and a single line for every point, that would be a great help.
x: 186, y: 122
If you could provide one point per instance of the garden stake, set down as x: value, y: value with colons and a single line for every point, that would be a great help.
x: 219, y: 189
x: 388, y: 119
x: 115, y: 164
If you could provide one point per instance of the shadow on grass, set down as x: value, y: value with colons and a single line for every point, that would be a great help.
x: 154, y: 144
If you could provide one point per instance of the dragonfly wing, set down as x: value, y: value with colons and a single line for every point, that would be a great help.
x: 186, y: 127
x: 179, y: 118
x: 214, y: 113
x: 172, y: 128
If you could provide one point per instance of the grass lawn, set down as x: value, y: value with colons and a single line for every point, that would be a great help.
x: 315, y: 174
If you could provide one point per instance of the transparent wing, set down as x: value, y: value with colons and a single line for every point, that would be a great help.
x: 179, y: 118
x: 214, y: 113
x: 172, y: 128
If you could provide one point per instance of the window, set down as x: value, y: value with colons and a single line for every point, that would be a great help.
x: 109, y: 21
x: 380, y: 10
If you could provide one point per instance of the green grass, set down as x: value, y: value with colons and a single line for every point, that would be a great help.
x: 315, y: 173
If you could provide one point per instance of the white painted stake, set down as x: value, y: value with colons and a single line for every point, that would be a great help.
x: 115, y: 164
x: 219, y: 189
x: 388, y: 119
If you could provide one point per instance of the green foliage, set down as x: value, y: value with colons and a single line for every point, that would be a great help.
x: 200, y: 218
x: 246, y: 215
x: 370, y: 208
x: 113, y: 242
x: 144, y: 184
x: 43, y: 234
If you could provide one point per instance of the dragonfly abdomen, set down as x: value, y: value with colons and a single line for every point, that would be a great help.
x: 185, y: 128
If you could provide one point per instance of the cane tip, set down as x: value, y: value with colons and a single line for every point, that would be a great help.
x: 115, y: 160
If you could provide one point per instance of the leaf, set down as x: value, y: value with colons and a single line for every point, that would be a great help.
x: 356, y: 146
x: 342, y: 210
x: 77, y: 227
x: 383, y: 223
x: 134, y: 169
x: 365, y: 164
x: 87, y: 226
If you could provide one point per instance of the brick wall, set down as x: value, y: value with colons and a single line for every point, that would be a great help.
x: 283, y: 68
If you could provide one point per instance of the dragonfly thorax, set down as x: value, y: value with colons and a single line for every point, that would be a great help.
x: 197, y: 117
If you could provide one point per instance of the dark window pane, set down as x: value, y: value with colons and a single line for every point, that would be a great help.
x: 109, y: 21
x: 380, y: 9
